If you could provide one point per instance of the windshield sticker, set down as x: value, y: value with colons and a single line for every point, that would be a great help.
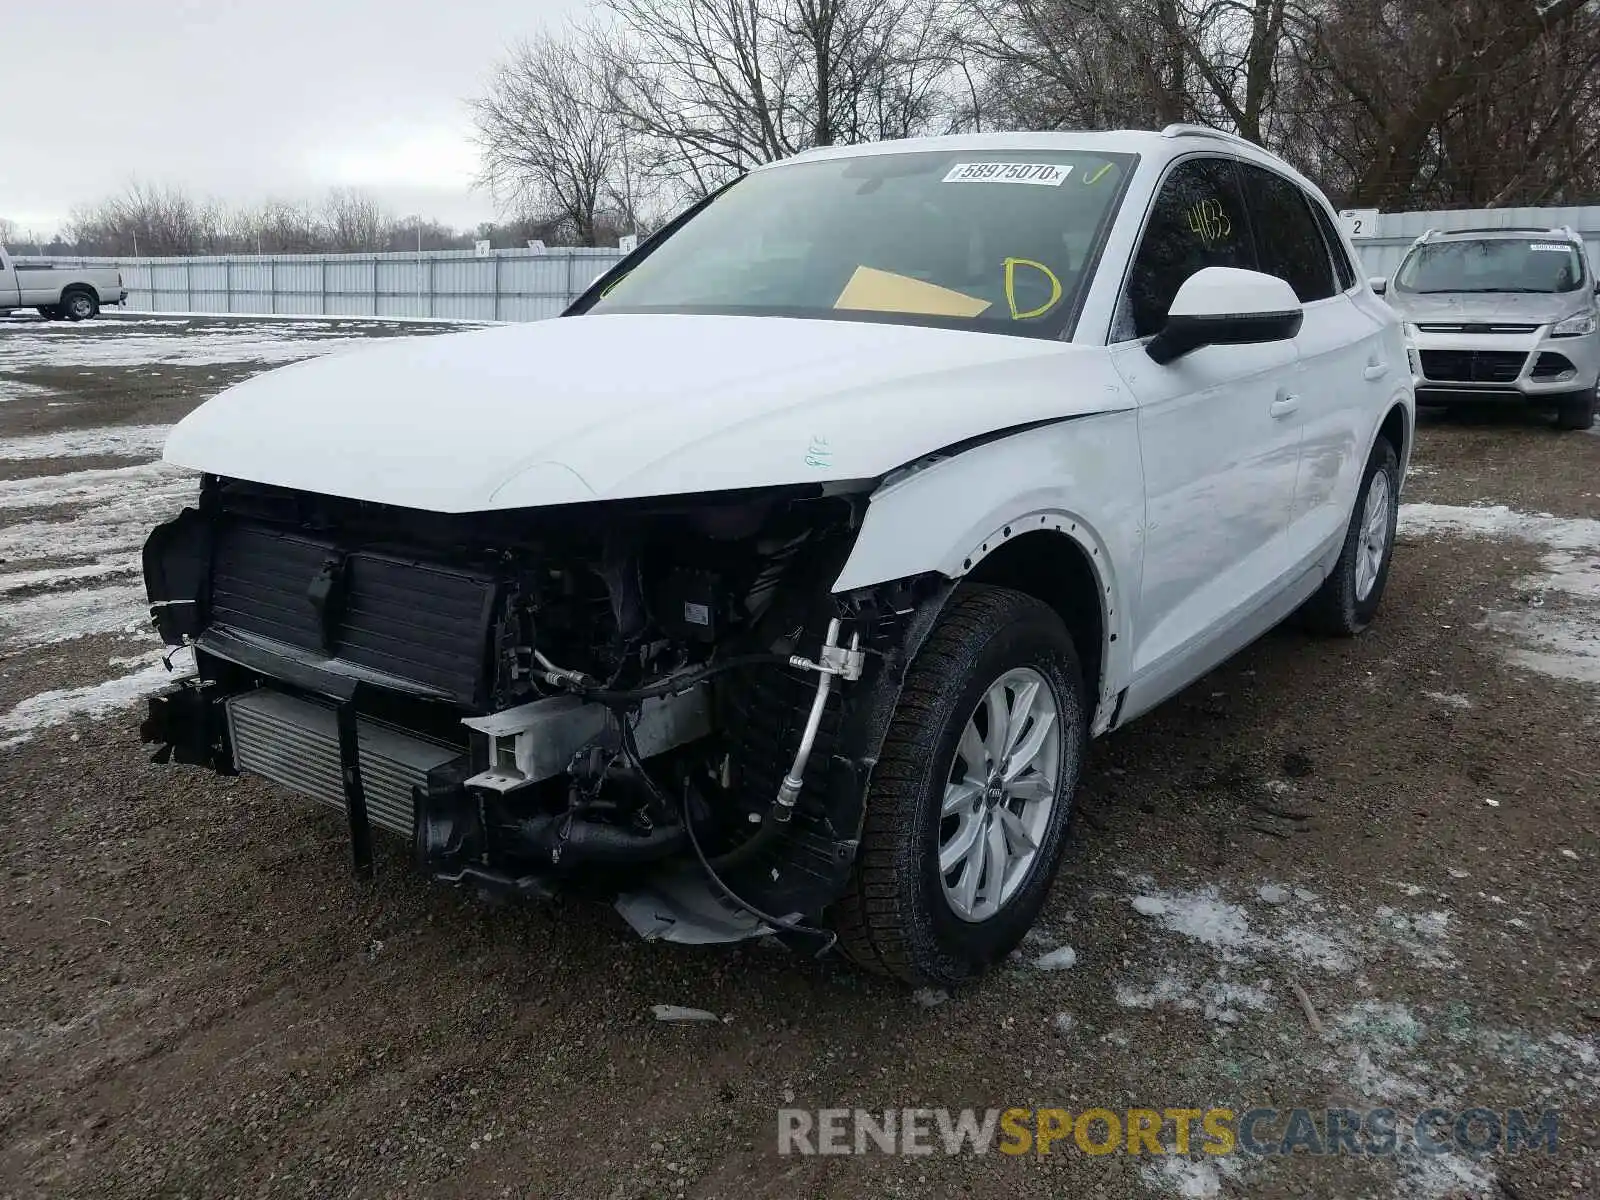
x: 1559, y: 249
x: 1042, y: 174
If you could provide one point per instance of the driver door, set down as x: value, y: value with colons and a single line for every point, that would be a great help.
x: 1220, y: 432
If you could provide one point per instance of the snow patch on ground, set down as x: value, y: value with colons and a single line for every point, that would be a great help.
x: 15, y: 389
x: 1443, y: 1177
x: 116, y: 441
x: 131, y: 344
x: 93, y: 702
x: 1187, y: 1179
x: 1294, y: 927
x: 1219, y: 1000
x: 1369, y: 1038
x: 1062, y: 958
x: 1564, y: 646
x: 1449, y: 699
x: 1376, y: 1052
x: 99, y: 487
x: 1559, y: 638
x: 1201, y: 915
x: 1500, y: 521
x: 81, y: 528
x: 53, y: 577
x: 61, y: 616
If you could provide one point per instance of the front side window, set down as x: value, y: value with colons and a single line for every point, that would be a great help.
x: 1344, y: 273
x: 1001, y: 241
x: 1198, y: 221
x: 1288, y: 241
x: 1503, y: 264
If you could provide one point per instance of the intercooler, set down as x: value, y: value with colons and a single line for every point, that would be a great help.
x: 295, y: 743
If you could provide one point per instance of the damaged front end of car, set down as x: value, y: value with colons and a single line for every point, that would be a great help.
x: 659, y: 702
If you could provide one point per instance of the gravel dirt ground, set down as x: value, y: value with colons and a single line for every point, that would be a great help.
x: 196, y: 999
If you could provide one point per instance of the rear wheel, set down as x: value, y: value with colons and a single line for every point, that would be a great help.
x: 1576, y: 411
x: 80, y: 305
x: 1349, y: 597
x: 969, y: 803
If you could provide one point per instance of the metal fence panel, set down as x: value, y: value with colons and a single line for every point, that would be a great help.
x: 508, y: 285
x: 531, y: 285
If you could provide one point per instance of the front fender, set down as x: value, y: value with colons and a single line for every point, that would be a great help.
x: 1082, y: 478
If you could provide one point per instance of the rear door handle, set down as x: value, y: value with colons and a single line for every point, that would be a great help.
x: 1285, y: 406
x: 1375, y: 370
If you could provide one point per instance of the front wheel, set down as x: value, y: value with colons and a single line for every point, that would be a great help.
x: 1576, y: 411
x: 1348, y: 598
x: 968, y: 806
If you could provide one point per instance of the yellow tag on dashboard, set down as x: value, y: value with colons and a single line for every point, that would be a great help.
x: 871, y: 290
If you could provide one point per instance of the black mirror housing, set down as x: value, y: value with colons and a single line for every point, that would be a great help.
x: 1183, y: 334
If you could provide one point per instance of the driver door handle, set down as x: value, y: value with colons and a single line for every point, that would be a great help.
x: 1285, y: 405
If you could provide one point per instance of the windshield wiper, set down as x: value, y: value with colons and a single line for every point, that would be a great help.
x: 1485, y: 291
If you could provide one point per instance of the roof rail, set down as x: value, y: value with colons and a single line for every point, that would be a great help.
x: 1185, y: 129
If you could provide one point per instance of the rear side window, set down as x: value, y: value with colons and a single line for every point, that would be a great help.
x: 1198, y: 221
x: 1287, y: 238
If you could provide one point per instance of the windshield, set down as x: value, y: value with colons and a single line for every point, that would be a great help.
x: 1492, y: 265
x: 999, y: 240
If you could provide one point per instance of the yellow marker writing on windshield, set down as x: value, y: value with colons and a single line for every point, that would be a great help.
x: 1011, y: 288
x: 1095, y: 178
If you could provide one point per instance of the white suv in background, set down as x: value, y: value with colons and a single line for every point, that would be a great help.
x: 779, y: 585
x: 1501, y: 315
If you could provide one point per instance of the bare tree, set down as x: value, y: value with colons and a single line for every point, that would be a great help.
x: 8, y: 231
x: 714, y: 87
x: 148, y: 219
x: 1407, y: 103
x: 352, y: 220
x: 1138, y: 63
x: 549, y: 140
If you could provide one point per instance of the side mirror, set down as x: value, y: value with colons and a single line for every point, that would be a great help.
x: 1224, y: 306
x: 1379, y: 284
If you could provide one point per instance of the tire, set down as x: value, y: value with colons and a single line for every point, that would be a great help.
x: 1576, y: 411
x: 899, y: 915
x: 50, y: 313
x: 1349, y: 597
x: 80, y: 304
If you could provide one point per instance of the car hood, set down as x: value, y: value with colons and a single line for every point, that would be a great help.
x: 1526, y: 308
x: 618, y: 406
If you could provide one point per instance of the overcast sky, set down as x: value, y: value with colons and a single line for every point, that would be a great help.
x: 245, y: 99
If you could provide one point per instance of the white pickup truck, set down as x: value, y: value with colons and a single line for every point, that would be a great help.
x: 59, y: 293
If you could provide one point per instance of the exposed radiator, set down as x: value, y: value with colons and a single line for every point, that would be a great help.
x: 295, y: 743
